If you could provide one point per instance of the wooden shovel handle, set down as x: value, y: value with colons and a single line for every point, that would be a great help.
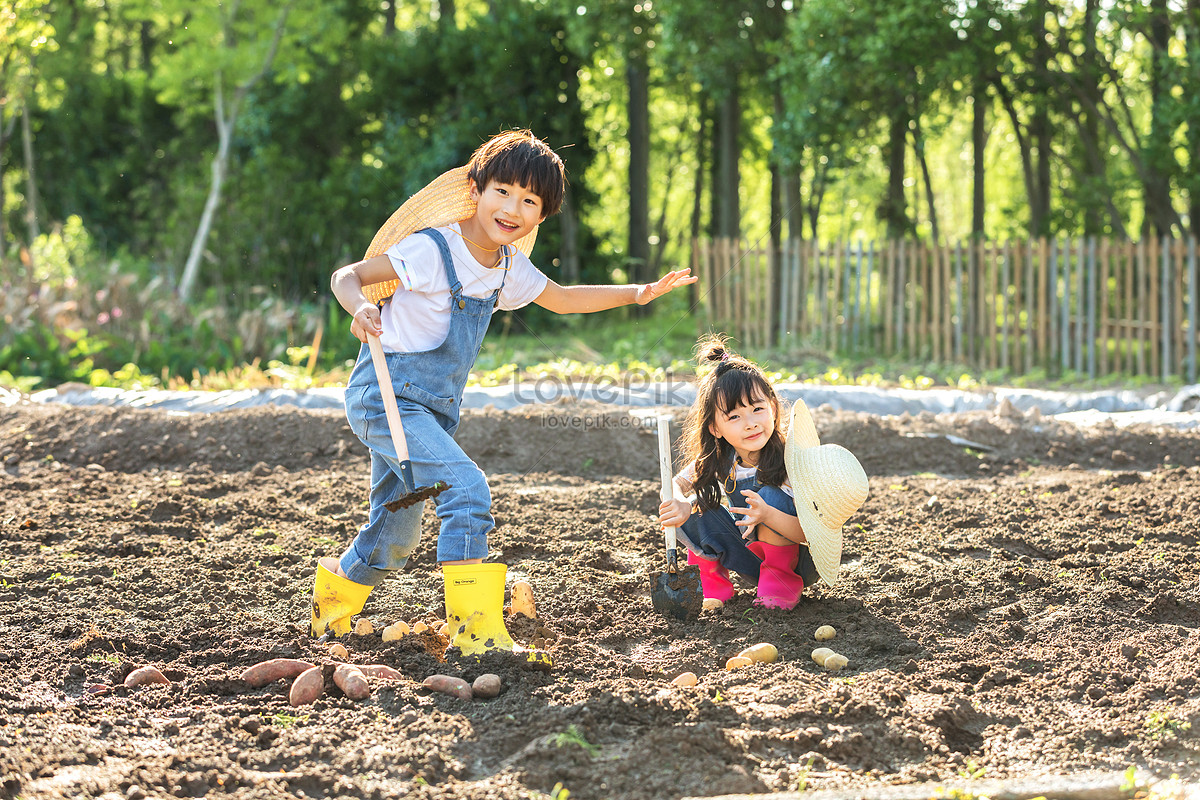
x: 389, y: 397
x: 666, y: 471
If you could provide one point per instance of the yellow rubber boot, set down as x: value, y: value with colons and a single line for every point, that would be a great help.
x: 335, y: 599
x: 475, y: 607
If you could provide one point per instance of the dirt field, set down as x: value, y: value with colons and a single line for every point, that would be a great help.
x: 1024, y: 610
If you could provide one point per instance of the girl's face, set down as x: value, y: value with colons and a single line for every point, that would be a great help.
x: 747, y: 428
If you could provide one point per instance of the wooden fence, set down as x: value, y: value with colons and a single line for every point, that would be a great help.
x: 1092, y: 306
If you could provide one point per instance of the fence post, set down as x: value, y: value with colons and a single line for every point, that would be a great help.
x: 1102, y: 301
x: 1191, y: 258
x: 785, y: 290
x: 958, y: 302
x: 1091, y: 306
x: 1164, y: 317
x: 858, y: 299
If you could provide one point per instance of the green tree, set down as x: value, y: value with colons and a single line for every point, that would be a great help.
x: 218, y: 56
x: 25, y: 35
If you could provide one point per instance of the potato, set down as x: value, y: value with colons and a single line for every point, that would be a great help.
x: 444, y: 630
x: 363, y: 627
x: 763, y: 652
x: 270, y: 671
x: 351, y: 680
x: 684, y: 679
x: 393, y: 632
x: 145, y: 675
x: 824, y: 633
x: 339, y: 651
x: 737, y: 662
x: 522, y: 599
x: 712, y: 604
x: 486, y: 685
x: 836, y: 662
x: 820, y: 654
x: 448, y: 684
x: 380, y: 671
x: 307, y: 687
x: 420, y: 627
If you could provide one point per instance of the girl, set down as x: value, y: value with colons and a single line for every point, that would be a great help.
x: 734, y: 444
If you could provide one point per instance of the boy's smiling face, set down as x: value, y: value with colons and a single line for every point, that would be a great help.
x: 505, y: 213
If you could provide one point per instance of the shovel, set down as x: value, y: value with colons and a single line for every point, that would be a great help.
x: 419, y: 493
x: 674, y: 592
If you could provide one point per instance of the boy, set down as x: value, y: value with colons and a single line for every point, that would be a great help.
x: 477, y: 225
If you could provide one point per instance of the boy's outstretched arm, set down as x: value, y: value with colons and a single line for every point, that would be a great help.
x: 586, y: 299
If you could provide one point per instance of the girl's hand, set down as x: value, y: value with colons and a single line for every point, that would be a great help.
x: 755, y: 512
x: 673, y: 513
x: 366, y: 320
x: 666, y: 283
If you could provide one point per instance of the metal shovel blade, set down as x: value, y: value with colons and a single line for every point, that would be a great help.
x: 677, y: 593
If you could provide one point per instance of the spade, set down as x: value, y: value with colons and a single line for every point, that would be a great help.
x: 674, y: 592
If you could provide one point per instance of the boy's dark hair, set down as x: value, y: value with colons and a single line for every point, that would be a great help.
x: 518, y: 157
x: 733, y: 381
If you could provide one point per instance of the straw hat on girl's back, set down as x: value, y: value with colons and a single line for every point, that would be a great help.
x: 829, y: 486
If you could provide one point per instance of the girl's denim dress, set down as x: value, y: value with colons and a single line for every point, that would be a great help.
x: 714, y: 535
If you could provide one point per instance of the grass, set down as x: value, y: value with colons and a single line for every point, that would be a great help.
x: 614, y: 347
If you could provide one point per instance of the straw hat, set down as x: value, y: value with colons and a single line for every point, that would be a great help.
x: 446, y: 199
x: 829, y: 486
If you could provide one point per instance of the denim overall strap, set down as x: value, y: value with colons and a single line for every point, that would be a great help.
x: 452, y: 274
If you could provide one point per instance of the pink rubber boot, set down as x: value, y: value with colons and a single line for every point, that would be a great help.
x: 714, y: 579
x: 778, y: 584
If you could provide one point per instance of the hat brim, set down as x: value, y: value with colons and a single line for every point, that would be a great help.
x: 443, y: 201
x: 824, y: 543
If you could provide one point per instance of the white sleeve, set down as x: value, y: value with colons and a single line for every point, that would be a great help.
x: 686, y: 479
x: 417, y: 261
x: 523, y: 284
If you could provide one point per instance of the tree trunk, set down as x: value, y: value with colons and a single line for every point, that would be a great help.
x: 978, y: 168
x: 31, y: 191
x: 1192, y: 28
x: 639, y: 169
x: 729, y: 222
x: 226, y: 122
x: 446, y: 14
x: 923, y: 163
x: 894, y: 209
x: 569, y: 232
x: 389, y: 17
x: 697, y: 226
x: 4, y: 132
x: 1039, y: 133
x: 1089, y: 130
x: 218, y: 169
x: 1160, y: 160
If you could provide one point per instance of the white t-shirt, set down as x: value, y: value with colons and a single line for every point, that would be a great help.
x: 417, y: 317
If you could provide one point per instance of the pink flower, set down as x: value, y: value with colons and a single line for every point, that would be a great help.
x: 103, y: 318
x: 116, y: 313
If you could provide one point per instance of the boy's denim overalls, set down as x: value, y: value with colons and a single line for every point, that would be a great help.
x: 428, y: 388
x: 713, y: 534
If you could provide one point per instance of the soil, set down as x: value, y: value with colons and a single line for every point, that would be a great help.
x: 1018, y: 597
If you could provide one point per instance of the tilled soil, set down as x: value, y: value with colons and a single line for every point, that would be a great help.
x: 1018, y: 597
